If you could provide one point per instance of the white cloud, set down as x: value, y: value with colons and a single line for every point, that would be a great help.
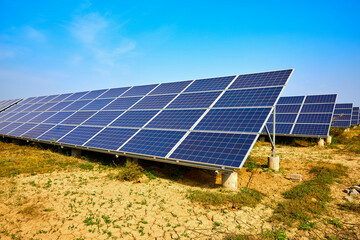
x: 87, y: 28
x: 34, y: 34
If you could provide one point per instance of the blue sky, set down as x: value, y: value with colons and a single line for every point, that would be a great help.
x: 50, y: 47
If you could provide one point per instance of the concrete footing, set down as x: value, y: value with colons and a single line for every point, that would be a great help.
x: 328, y: 139
x: 76, y: 153
x: 229, y: 180
x: 274, y: 163
x: 321, y: 142
x: 132, y: 160
x: 262, y: 138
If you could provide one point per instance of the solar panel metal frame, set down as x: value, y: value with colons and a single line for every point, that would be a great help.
x: 5, y: 104
x: 298, y: 113
x: 167, y: 157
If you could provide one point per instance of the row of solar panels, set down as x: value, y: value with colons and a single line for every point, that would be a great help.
x: 211, y: 123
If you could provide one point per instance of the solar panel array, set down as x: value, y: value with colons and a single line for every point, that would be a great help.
x: 355, y: 116
x: 308, y: 116
x: 4, y: 104
x: 342, y: 115
x: 207, y: 122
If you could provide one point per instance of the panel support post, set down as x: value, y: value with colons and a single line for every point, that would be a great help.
x: 75, y: 153
x: 273, y: 160
x: 130, y: 160
x: 229, y: 180
x: 321, y: 142
x: 328, y: 139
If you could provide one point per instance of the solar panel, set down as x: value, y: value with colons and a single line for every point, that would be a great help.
x: 342, y: 115
x: 355, y: 116
x: 308, y: 116
x: 210, y: 123
x: 4, y: 104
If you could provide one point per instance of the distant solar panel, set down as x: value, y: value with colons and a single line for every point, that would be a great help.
x: 210, y: 123
x: 355, y: 116
x: 4, y: 104
x: 308, y: 116
x: 342, y: 115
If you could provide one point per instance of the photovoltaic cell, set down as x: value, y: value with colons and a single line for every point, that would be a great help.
x: 174, y: 87
x: 28, y: 116
x: 234, y: 120
x: 314, y: 118
x: 76, y: 105
x: 111, y: 138
x: 210, y: 84
x: 318, y: 108
x: 102, y: 118
x: 266, y: 79
x: 290, y: 100
x: 176, y: 119
x: 79, y: 135
x: 45, y: 107
x: 93, y: 94
x: 249, y: 97
x: 139, y: 90
x: 283, y: 118
x: 122, y: 103
x: 311, y: 129
x: 75, y: 96
x: 97, y: 104
x: 215, y: 148
x: 22, y: 129
x: 194, y: 100
x: 41, y: 117
x: 321, y: 99
x: 355, y: 116
x: 60, y: 97
x: 55, y: 133
x: 134, y: 119
x: 114, y: 92
x: 281, y: 128
x: 342, y: 115
x: 154, y: 102
x: 78, y: 117
x: 58, y: 117
x: 38, y: 130
x: 153, y: 142
x: 59, y: 106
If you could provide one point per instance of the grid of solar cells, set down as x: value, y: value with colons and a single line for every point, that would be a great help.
x: 135, y: 120
x: 342, y: 115
x: 294, y: 113
x: 355, y: 116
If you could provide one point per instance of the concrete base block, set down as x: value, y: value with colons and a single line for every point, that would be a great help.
x: 274, y: 163
x: 132, y: 160
x: 328, y: 139
x: 347, y: 130
x: 321, y: 142
x: 76, y: 153
x: 262, y: 138
x: 229, y: 180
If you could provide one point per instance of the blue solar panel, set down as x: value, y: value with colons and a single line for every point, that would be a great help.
x: 314, y: 118
x: 174, y: 87
x: 33, y: 107
x: 265, y: 79
x: 194, y: 100
x: 317, y: 108
x: 61, y: 97
x: 153, y: 142
x: 283, y: 118
x: 75, y: 96
x: 342, y: 115
x: 111, y: 138
x: 175, y: 119
x: 93, y: 94
x: 37, y: 99
x: 16, y: 116
x: 56, y: 133
x: 343, y: 111
x: 9, y: 127
x: 28, y: 116
x: 355, y: 116
x: 249, y: 97
x: 4, y: 124
x: 321, y: 99
x: 311, y: 129
x: 59, y: 106
x: 281, y: 128
x: 291, y: 100
x: 234, y: 120
x: 210, y: 84
x: 45, y: 107
x: 22, y: 129
x: 340, y: 123
x: 27, y: 100
x: 122, y: 103
x: 41, y: 117
x: 80, y: 135
x: 154, y: 102
x: 134, y: 119
x: 6, y: 116
x: 102, y: 118
x: 139, y: 90
x: 78, y: 117
x: 97, y: 104
x: 114, y: 92
x: 48, y: 98
x: 224, y: 149
x: 343, y: 105
x: 76, y: 105
x: 38, y: 130
x: 58, y: 117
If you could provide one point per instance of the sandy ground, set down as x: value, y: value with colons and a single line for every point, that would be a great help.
x: 89, y: 205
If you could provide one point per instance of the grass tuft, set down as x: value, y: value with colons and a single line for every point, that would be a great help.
x: 130, y: 172
x: 350, y: 206
x: 246, y: 197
